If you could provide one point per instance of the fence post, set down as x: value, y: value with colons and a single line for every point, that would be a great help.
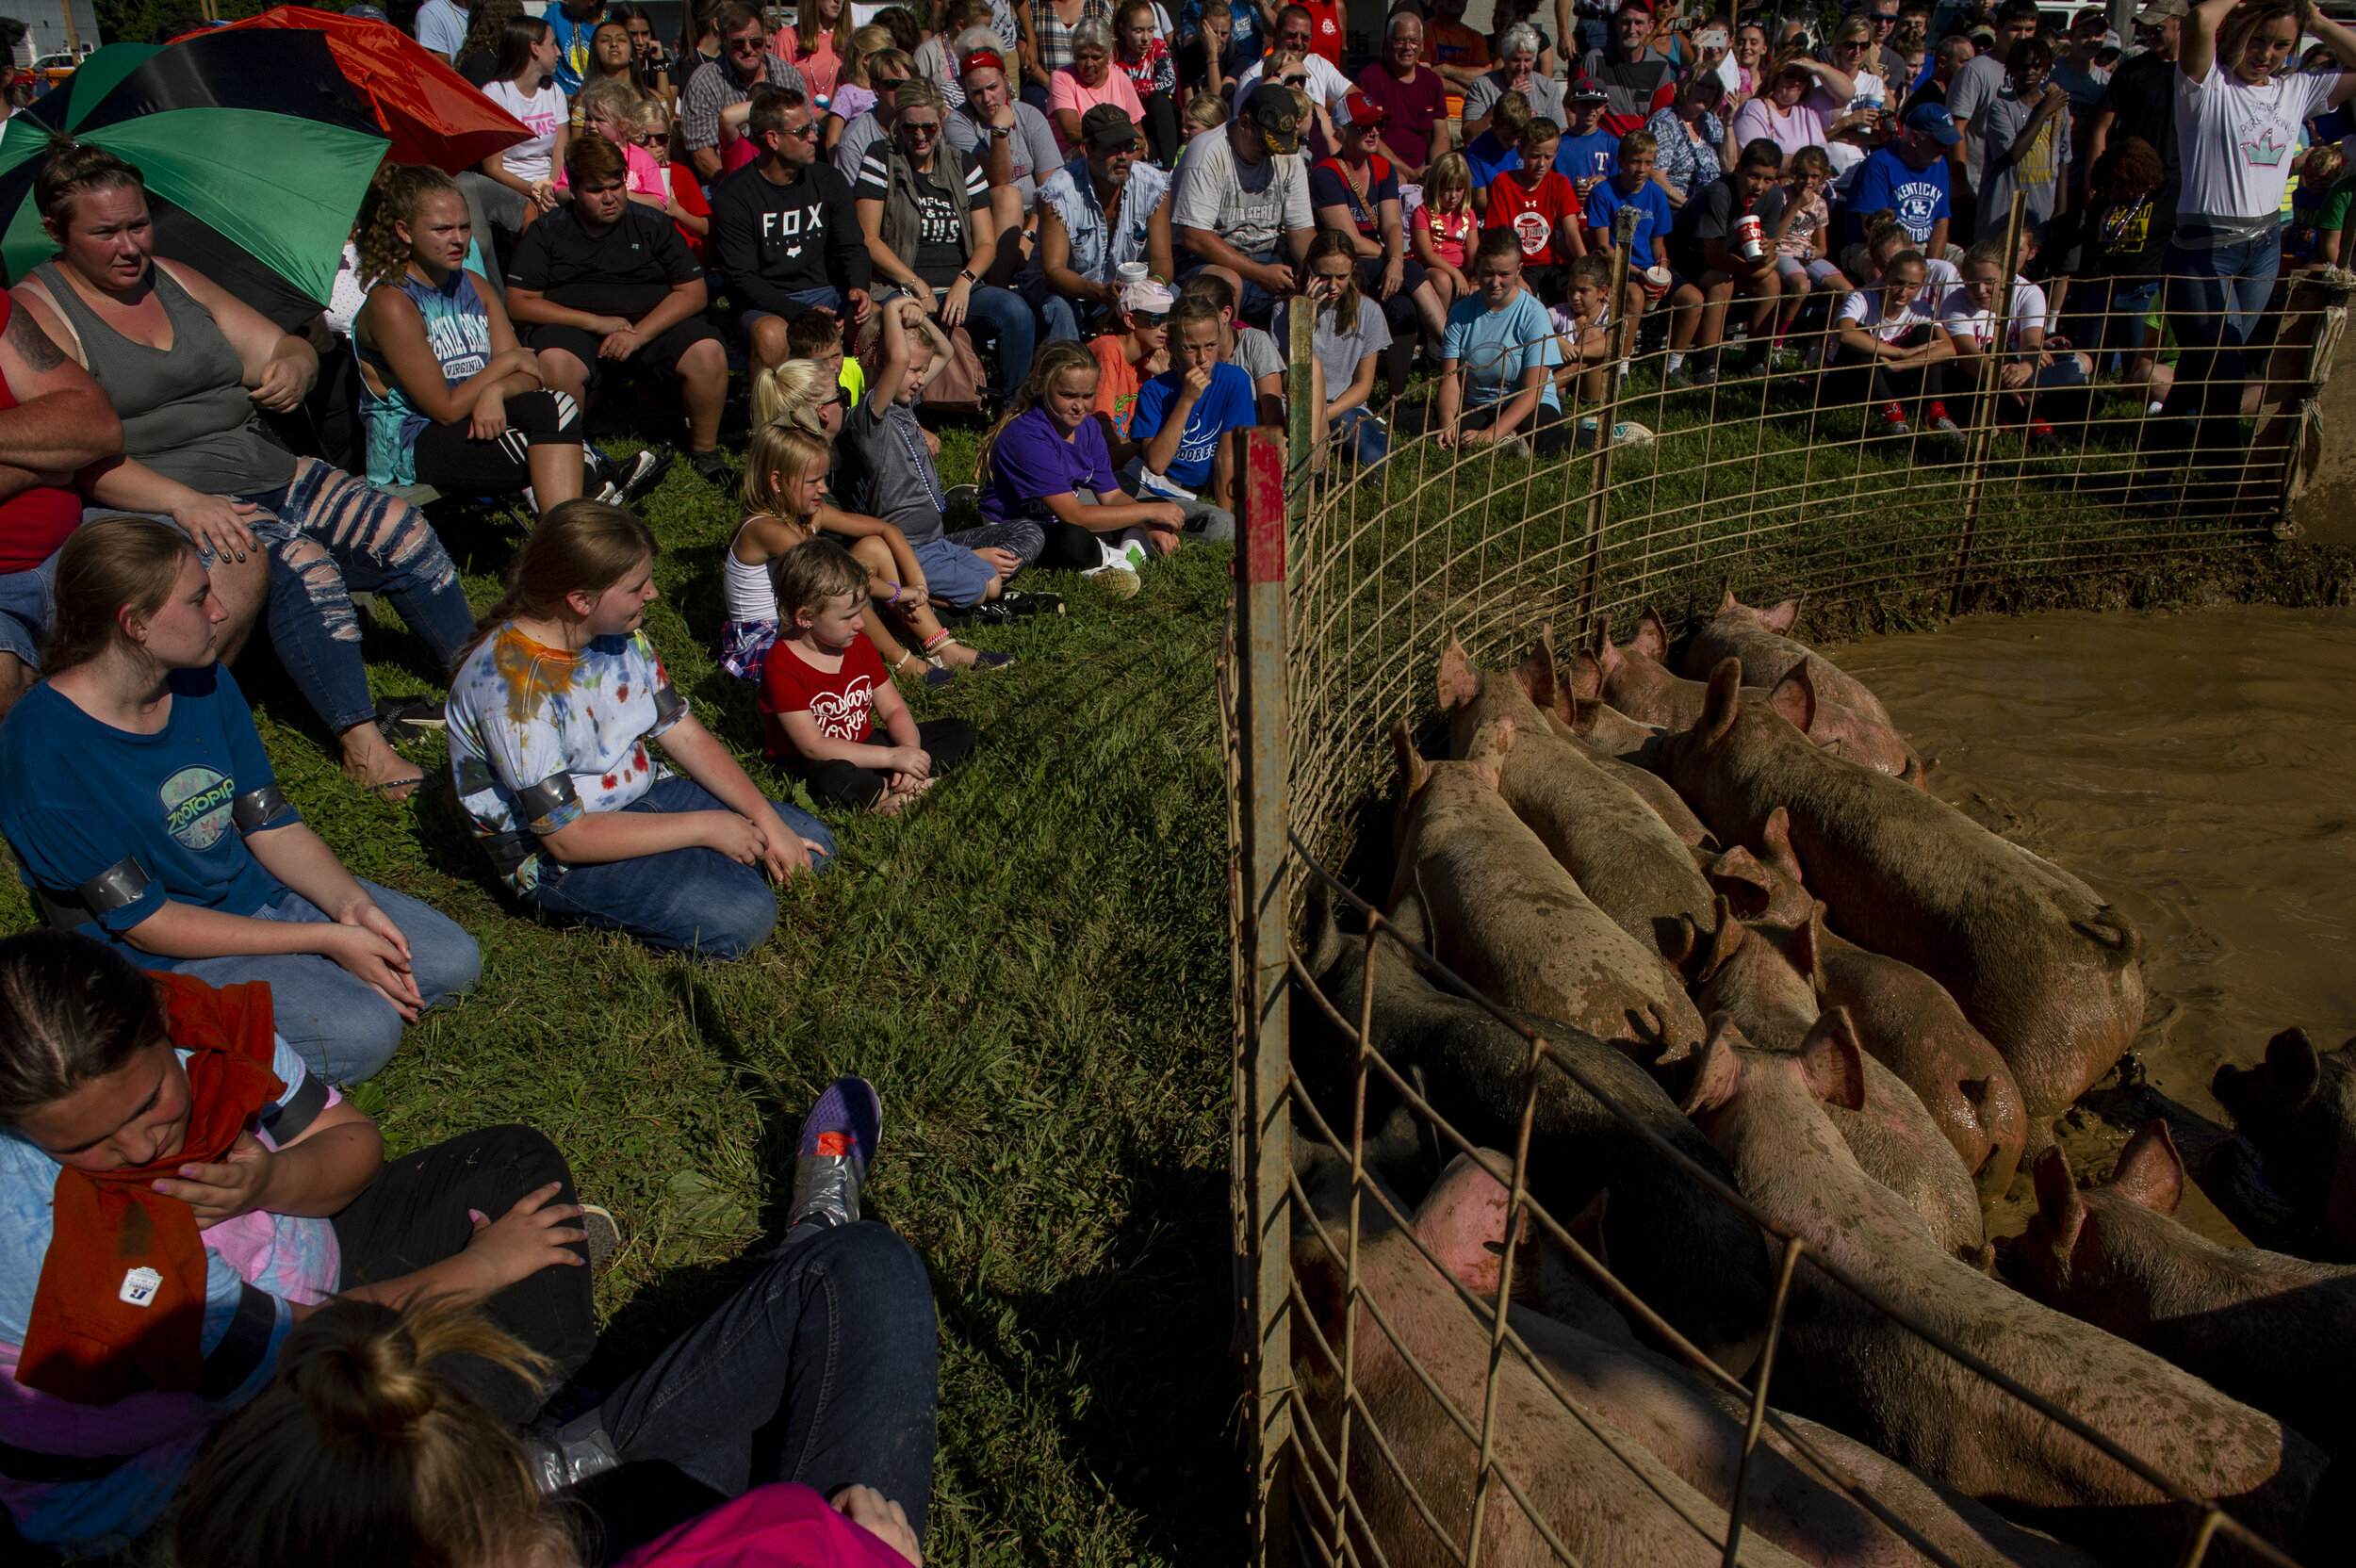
x: 1265, y: 747
x: 1983, y: 413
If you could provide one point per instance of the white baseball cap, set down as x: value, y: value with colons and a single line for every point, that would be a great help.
x: 1147, y: 295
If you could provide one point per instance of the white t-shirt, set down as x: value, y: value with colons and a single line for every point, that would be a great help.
x: 1863, y: 308
x: 2236, y: 141
x: 1250, y: 208
x: 1869, y: 89
x: 541, y: 114
x: 1327, y: 84
x: 1961, y: 319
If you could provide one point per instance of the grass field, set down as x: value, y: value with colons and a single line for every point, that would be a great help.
x: 1031, y: 966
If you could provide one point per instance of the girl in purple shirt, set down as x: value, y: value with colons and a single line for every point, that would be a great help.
x: 1046, y: 461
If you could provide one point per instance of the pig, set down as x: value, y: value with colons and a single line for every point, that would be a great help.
x: 2297, y: 1109
x: 1605, y: 1498
x: 1764, y: 978
x: 1698, y: 1259
x: 1851, y: 1367
x: 1502, y: 913
x: 2040, y: 965
x: 1626, y: 749
x: 1760, y: 641
x: 2274, y: 1331
x: 1904, y: 1019
x: 1623, y: 855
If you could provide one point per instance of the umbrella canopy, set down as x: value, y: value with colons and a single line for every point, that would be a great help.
x: 258, y: 138
x: 432, y: 114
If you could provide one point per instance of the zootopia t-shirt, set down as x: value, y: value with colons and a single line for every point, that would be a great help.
x: 77, y: 797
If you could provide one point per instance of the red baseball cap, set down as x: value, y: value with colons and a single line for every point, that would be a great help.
x: 1360, y: 108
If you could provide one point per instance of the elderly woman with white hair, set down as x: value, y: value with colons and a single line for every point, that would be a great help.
x: 1516, y: 72
x: 1089, y: 80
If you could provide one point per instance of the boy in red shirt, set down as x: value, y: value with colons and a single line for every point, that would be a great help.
x: 825, y: 693
x: 1540, y: 206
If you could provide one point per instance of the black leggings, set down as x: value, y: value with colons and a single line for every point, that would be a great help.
x: 449, y: 458
x: 1161, y: 127
x: 839, y: 783
x: 415, y: 1214
x: 1548, y: 436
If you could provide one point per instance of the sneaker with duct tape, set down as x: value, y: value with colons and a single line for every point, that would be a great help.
x: 560, y: 1456
x: 838, y: 1138
x: 1893, y: 420
x: 1118, y: 581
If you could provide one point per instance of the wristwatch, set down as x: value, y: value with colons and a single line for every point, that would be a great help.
x: 969, y: 274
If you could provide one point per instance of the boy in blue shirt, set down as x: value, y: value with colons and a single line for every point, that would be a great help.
x: 1633, y: 187
x: 1589, y: 154
x: 1495, y: 382
x: 1184, y: 417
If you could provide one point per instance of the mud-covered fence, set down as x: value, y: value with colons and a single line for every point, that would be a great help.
x: 1349, y: 578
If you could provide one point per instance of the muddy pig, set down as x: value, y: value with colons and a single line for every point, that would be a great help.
x: 1857, y: 1371
x: 1850, y: 720
x: 1623, y: 855
x: 1605, y: 1498
x: 1764, y: 978
x: 2274, y: 1331
x: 1904, y: 1019
x: 1670, y: 1241
x: 1503, y: 914
x: 2042, y: 966
x: 2298, y: 1107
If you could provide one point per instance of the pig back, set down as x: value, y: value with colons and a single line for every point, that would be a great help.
x: 2038, y: 963
x: 1766, y: 658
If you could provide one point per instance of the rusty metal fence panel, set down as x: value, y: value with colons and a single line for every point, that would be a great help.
x: 1348, y: 581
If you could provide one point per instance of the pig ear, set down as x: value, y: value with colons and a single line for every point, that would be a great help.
x: 1795, y: 697
x: 1536, y: 674
x: 1912, y: 772
x: 1586, y: 683
x: 1724, y: 702
x: 1413, y: 772
x: 1652, y: 636
x: 1463, y: 1218
x: 1783, y: 617
x: 1586, y: 1227
x: 1725, y: 942
x: 1831, y: 1063
x: 1739, y: 879
x: 1459, y: 682
x: 1729, y: 603
x: 1776, y: 835
x: 2294, y: 1068
x: 1721, y: 1070
x: 1806, y: 950
x: 2057, y: 1200
x: 2150, y: 1170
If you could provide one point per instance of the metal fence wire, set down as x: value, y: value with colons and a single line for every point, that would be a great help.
x: 1778, y: 478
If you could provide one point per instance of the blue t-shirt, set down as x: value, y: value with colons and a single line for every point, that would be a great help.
x: 1488, y: 157
x: 572, y: 43
x: 1651, y: 204
x: 1919, y: 196
x: 77, y: 796
x: 1497, y: 348
x: 1583, y: 157
x: 1031, y: 460
x: 1226, y: 404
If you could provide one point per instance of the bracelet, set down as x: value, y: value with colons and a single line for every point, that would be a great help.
x: 896, y: 595
x: 936, y: 639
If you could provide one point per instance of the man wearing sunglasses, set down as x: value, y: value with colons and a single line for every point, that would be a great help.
x: 1103, y: 208
x: 745, y: 63
x: 786, y: 230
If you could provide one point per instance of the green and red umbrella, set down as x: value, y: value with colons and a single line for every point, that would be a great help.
x: 256, y: 138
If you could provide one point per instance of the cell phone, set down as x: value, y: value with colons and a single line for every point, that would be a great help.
x: 1714, y: 38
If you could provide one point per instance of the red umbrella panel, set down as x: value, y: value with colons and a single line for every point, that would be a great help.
x: 431, y: 113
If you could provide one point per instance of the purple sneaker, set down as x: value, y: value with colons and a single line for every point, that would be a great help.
x: 839, y: 1138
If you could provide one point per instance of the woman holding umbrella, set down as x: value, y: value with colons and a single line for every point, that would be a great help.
x: 189, y: 369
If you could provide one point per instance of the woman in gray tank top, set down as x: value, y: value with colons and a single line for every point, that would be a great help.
x: 190, y: 370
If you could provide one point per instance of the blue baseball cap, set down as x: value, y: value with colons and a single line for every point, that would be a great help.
x: 1935, y: 119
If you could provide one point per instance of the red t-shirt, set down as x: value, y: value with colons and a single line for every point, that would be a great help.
x: 33, y: 523
x: 1532, y: 214
x: 1325, y: 22
x: 842, y: 702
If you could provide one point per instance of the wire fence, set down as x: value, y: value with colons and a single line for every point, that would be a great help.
x: 1781, y: 476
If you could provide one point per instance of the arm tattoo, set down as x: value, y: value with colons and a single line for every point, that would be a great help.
x: 32, y: 344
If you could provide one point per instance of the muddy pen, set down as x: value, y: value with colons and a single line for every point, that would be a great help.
x: 1638, y: 1058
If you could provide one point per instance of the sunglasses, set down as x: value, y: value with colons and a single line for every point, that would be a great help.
x: 1150, y: 318
x: 800, y: 133
x: 755, y: 43
x: 917, y: 127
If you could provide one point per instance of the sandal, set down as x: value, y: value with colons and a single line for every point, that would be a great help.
x: 936, y: 674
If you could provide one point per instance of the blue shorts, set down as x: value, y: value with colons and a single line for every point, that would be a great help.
x: 954, y: 574
x: 1251, y: 299
x: 28, y: 601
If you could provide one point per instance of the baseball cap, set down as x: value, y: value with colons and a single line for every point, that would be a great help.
x: 1147, y: 295
x: 1272, y: 109
x: 1589, y: 91
x: 1935, y: 119
x: 366, y: 13
x: 1626, y: 5
x: 1360, y: 108
x: 2160, y: 10
x: 1108, y: 126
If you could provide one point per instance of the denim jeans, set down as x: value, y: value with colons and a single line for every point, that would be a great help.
x: 1358, y: 434
x: 339, y: 1025
x: 28, y: 602
x: 1060, y: 318
x: 2215, y: 298
x: 823, y: 1368
x: 683, y: 900
x: 2106, y: 317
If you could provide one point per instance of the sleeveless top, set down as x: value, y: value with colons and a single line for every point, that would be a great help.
x: 34, y: 522
x: 186, y: 412
x: 458, y: 330
x: 750, y: 594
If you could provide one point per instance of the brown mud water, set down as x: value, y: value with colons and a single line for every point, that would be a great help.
x: 2199, y: 770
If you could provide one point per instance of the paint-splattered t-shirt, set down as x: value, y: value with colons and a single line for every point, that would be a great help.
x: 523, y: 715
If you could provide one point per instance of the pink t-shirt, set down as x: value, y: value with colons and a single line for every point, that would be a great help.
x: 1069, y: 94
x: 768, y: 1526
x: 1802, y: 128
x: 646, y: 173
x: 819, y: 66
x: 1451, y: 232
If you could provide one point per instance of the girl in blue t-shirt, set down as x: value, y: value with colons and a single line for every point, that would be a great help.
x: 1046, y: 459
x: 143, y: 813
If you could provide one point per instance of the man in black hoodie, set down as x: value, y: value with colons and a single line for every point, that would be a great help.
x: 787, y: 231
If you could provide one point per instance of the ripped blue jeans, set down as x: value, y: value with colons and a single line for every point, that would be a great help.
x: 329, y: 535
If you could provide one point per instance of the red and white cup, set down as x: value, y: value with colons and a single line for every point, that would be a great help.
x: 1749, y: 236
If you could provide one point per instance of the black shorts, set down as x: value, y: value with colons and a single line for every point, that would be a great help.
x: 660, y: 352
x: 1398, y: 311
x: 1550, y: 281
x: 449, y: 458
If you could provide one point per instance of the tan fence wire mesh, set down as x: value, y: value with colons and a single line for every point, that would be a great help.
x: 1350, y: 578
